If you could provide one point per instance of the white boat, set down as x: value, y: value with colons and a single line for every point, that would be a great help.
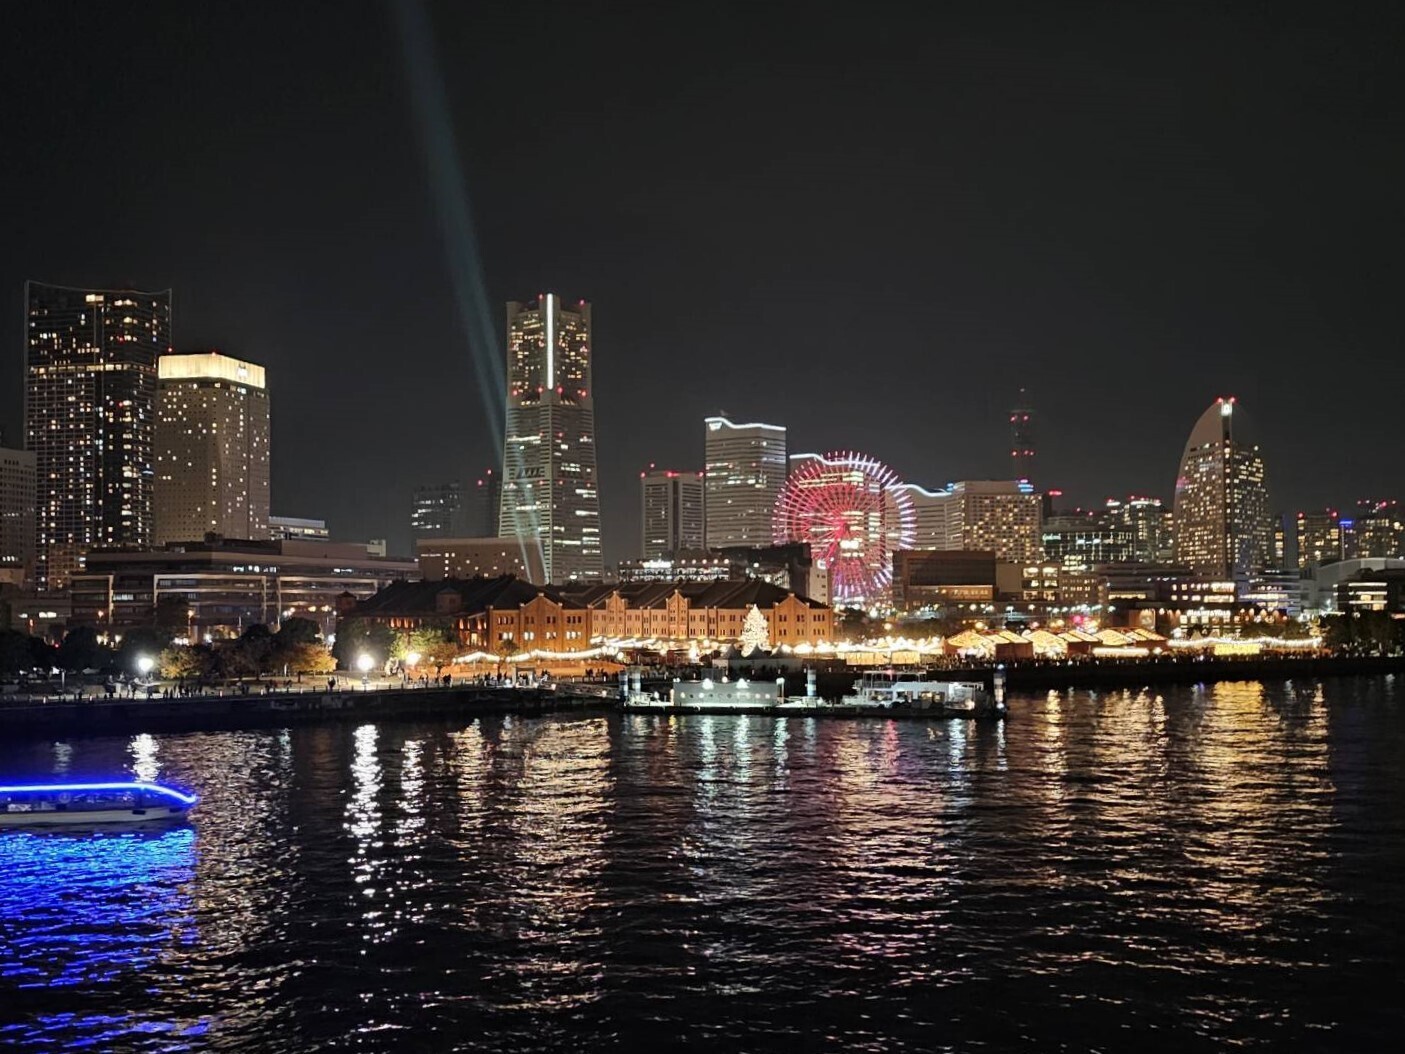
x: 28, y: 805
x: 910, y: 690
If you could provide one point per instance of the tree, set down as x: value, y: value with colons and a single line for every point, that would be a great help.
x: 308, y: 658
x: 252, y: 653
x: 756, y: 634
x: 15, y: 651
x: 439, y: 654
x: 81, y: 650
x: 172, y: 613
x: 853, y: 624
x: 295, y: 631
x: 356, y: 636
x: 139, y: 641
x: 185, y: 662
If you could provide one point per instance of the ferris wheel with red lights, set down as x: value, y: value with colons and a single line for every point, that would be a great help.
x: 851, y: 510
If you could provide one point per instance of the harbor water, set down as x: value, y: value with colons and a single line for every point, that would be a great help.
x: 1195, y: 868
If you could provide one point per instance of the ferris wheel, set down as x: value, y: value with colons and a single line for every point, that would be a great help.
x: 850, y: 510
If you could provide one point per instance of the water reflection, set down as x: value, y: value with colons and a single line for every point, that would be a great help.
x: 1206, y: 867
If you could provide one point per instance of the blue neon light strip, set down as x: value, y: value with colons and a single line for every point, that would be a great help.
x: 80, y: 788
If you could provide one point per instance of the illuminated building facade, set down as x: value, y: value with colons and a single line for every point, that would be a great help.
x: 1004, y: 516
x: 437, y: 511
x: 930, y: 510
x: 16, y: 516
x: 212, y: 448
x: 469, y: 557
x: 670, y: 513
x: 89, y: 411
x: 297, y: 528
x: 220, y: 588
x: 745, y: 468
x: 1319, y: 536
x: 1150, y: 527
x: 1223, y: 526
x: 482, y: 500
x: 1376, y: 531
x: 1080, y: 539
x: 550, y: 498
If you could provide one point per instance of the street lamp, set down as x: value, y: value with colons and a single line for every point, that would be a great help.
x: 145, y: 663
x: 364, y: 663
x: 410, y: 661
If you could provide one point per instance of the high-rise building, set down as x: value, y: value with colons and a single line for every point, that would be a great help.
x: 89, y: 411
x: 1376, y: 531
x: 437, y: 511
x: 481, y: 501
x: 1003, y: 516
x: 745, y: 469
x: 16, y: 516
x: 1150, y: 527
x: 930, y: 510
x: 1022, y: 439
x: 1223, y: 526
x: 1319, y: 537
x: 1080, y: 539
x: 550, y: 496
x: 670, y: 512
x: 212, y: 448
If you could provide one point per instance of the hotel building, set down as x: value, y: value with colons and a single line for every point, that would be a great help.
x: 1223, y: 526
x: 212, y: 448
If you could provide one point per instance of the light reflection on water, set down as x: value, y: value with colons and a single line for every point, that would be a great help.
x: 1197, y: 868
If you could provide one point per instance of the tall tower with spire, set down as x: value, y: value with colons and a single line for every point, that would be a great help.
x: 1022, y: 438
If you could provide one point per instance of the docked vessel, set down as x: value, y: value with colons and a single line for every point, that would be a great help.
x: 898, y: 690
x: 89, y: 803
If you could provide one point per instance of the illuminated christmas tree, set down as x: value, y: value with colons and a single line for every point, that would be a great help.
x: 756, y: 635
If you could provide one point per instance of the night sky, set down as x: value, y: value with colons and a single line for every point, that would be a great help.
x: 868, y: 228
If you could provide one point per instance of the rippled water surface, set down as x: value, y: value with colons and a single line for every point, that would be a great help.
x: 1190, y: 870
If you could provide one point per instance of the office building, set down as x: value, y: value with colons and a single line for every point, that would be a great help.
x: 482, y: 499
x: 745, y: 468
x: 219, y: 588
x: 1223, y: 526
x: 930, y: 509
x: 297, y: 528
x: 1079, y: 539
x: 550, y: 497
x: 89, y: 411
x: 437, y: 511
x: 16, y: 517
x: 211, y: 448
x: 1150, y: 526
x: 925, y: 579
x: 670, y: 512
x: 1319, y: 538
x: 470, y: 558
x: 1377, y: 530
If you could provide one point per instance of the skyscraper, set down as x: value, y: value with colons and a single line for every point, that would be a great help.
x: 481, y: 501
x: 437, y: 511
x: 670, y: 512
x: 550, y: 500
x: 1022, y: 439
x: 16, y: 516
x: 89, y: 412
x: 1319, y: 538
x: 1223, y: 526
x: 212, y: 448
x: 745, y: 468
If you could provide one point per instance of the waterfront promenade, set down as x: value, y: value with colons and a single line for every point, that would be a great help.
x: 220, y: 709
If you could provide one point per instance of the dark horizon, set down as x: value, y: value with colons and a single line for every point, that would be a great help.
x: 1129, y: 213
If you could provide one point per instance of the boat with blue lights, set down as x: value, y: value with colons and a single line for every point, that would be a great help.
x: 25, y: 805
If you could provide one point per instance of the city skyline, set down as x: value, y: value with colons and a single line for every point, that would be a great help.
x: 1208, y: 274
